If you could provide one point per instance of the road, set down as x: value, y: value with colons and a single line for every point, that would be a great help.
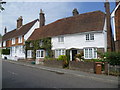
x: 20, y: 76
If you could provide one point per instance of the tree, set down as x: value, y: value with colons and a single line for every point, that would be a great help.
x: 1, y: 3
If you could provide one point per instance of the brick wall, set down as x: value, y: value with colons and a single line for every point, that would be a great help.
x: 82, y: 66
x: 54, y: 63
x: 117, y: 27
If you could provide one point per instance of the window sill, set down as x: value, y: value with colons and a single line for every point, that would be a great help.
x: 90, y: 40
x: 39, y: 57
x: 61, y: 42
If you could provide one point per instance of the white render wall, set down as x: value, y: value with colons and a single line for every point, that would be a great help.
x: 79, y: 41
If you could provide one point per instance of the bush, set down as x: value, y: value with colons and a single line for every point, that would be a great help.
x: 62, y: 57
x: 113, y: 58
x: 65, y: 60
x: 6, y: 51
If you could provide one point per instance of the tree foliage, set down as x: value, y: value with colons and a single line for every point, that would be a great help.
x: 1, y: 5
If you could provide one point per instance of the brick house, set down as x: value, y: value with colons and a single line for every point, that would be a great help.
x: 115, y: 16
x: 15, y: 39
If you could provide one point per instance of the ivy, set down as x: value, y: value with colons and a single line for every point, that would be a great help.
x: 46, y: 46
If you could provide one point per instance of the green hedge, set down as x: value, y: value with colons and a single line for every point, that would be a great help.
x: 113, y: 58
x: 6, y: 51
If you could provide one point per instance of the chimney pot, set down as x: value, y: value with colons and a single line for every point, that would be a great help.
x: 75, y: 12
x: 5, y: 30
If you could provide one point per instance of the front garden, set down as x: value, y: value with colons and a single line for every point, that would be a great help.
x: 110, y: 62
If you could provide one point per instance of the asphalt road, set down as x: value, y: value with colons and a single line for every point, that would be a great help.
x: 19, y: 76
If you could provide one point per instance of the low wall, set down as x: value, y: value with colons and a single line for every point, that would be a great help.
x: 82, y: 66
x: 54, y: 63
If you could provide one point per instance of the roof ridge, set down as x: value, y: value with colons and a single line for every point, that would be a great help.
x: 22, y: 26
x: 72, y: 17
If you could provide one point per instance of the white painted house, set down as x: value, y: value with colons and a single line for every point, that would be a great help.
x: 79, y: 33
x: 15, y: 39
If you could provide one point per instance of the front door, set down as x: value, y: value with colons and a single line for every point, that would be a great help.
x: 74, y: 52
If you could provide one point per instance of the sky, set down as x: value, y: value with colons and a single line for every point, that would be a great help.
x: 53, y: 11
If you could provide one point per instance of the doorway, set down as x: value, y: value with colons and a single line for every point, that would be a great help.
x: 74, y: 52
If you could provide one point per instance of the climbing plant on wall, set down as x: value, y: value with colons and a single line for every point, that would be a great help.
x: 46, y: 45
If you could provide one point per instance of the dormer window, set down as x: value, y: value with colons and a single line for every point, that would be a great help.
x: 89, y: 37
x: 20, y: 39
x: 13, y: 40
x: 61, y: 39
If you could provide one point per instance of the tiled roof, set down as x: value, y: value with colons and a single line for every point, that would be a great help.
x: 91, y: 21
x: 18, y: 32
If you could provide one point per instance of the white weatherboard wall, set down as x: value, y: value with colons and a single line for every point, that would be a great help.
x: 79, y: 41
x: 28, y: 34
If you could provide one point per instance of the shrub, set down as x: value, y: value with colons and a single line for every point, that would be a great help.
x: 62, y: 57
x: 65, y: 60
x: 48, y: 58
x: 6, y: 51
x: 113, y: 58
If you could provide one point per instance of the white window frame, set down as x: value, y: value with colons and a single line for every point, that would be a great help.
x: 20, y: 39
x: 59, y: 52
x: 13, y: 49
x: 4, y: 43
x: 13, y: 41
x: 0, y: 44
x: 38, y: 53
x: 61, y: 39
x: 90, y: 37
x: 41, y: 43
x: 21, y: 49
x: 29, y: 53
x: 90, y: 53
x: 31, y: 44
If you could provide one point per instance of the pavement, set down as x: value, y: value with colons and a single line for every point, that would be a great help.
x: 102, y: 77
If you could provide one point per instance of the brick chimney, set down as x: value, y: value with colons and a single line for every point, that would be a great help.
x: 19, y: 22
x: 5, y: 30
x: 75, y: 12
x: 109, y: 30
x: 42, y: 18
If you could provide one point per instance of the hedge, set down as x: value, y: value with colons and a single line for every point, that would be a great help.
x: 6, y: 51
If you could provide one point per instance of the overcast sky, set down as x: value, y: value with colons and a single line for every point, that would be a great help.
x: 53, y: 11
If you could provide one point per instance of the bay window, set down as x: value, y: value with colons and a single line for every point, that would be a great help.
x: 40, y: 53
x: 29, y: 53
x: 90, y: 53
x: 59, y: 52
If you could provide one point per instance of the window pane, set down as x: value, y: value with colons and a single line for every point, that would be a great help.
x: 95, y: 53
x: 61, y: 39
x: 41, y: 53
x: 91, y: 36
x: 87, y: 36
x: 86, y: 53
x: 90, y: 53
